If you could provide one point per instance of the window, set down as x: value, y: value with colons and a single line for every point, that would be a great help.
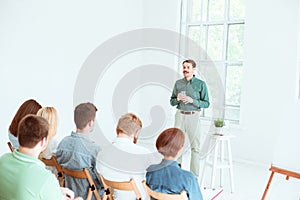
x: 217, y: 26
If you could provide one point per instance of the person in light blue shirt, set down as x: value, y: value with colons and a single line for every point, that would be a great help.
x: 167, y: 177
x: 77, y: 151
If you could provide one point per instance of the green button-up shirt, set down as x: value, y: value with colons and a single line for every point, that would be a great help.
x: 196, y: 89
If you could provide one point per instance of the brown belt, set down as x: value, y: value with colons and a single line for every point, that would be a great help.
x: 187, y: 112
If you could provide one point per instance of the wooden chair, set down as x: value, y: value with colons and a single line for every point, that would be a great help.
x: 162, y: 196
x: 109, y: 186
x: 52, y: 162
x: 10, y: 146
x: 84, y: 173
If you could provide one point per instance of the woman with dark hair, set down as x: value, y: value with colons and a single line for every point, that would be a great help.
x: 30, y: 106
x: 167, y: 176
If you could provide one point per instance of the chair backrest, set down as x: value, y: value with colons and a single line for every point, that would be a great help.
x: 84, y: 173
x: 162, y: 196
x: 125, y: 185
x: 53, y: 163
x: 10, y: 146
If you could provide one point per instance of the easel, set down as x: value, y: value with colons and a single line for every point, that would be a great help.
x: 287, y: 173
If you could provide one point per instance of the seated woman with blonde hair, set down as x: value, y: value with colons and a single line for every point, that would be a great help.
x: 167, y: 177
x: 50, y: 114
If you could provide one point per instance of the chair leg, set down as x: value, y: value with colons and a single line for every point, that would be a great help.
x: 97, y: 195
x: 107, y: 195
x: 89, y: 196
x: 104, y: 197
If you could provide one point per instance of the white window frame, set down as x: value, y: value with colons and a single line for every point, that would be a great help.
x: 184, y: 28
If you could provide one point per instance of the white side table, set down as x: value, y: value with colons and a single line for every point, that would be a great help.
x: 216, y: 159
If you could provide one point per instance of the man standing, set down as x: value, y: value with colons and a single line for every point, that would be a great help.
x: 23, y: 176
x: 190, y: 95
x: 77, y: 151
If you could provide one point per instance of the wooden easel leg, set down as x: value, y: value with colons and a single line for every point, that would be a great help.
x: 268, y: 185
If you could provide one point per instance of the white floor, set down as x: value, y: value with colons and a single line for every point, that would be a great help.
x: 250, y: 181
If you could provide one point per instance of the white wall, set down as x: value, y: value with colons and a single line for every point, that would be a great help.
x: 43, y: 45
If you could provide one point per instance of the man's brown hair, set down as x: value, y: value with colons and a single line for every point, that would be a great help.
x: 170, y: 141
x: 31, y: 130
x: 190, y: 61
x: 30, y: 106
x: 84, y: 113
x: 129, y: 124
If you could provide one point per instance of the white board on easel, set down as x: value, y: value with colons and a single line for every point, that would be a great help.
x: 287, y: 149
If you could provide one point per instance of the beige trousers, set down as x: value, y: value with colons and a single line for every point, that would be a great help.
x: 190, y: 125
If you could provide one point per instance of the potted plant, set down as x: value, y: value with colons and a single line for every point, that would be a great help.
x: 219, y: 123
